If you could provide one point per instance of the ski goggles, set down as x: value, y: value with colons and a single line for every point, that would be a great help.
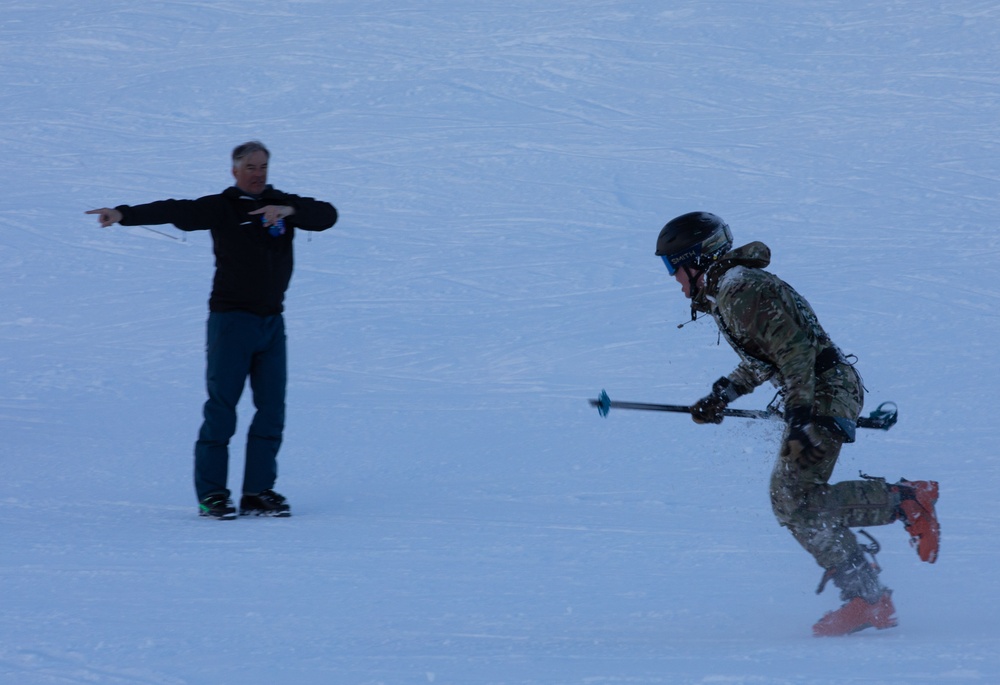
x: 676, y: 261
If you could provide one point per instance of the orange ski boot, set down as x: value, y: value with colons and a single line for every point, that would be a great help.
x: 867, y: 603
x: 916, y: 507
x: 856, y: 615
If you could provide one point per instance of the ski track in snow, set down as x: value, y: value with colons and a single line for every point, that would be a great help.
x: 462, y: 515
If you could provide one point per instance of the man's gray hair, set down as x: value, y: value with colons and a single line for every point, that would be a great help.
x: 248, y: 148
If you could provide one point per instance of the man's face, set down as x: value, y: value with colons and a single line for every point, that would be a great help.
x: 685, y: 277
x: 251, y: 173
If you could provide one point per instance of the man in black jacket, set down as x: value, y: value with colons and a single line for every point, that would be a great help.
x: 252, y: 227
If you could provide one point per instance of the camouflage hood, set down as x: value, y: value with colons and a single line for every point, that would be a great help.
x: 755, y: 255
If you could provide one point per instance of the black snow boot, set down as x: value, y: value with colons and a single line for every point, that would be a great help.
x: 266, y: 503
x: 217, y: 506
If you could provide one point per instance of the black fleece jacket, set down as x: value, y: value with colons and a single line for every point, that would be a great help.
x: 252, y: 266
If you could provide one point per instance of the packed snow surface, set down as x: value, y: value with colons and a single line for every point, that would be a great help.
x: 462, y: 516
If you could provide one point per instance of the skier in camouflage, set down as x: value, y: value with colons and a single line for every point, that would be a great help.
x: 778, y: 338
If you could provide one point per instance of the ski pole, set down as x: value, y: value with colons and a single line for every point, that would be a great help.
x: 884, y: 417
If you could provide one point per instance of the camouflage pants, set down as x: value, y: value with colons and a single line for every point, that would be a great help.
x: 820, y: 514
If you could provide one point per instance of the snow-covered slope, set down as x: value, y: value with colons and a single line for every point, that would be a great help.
x: 502, y: 169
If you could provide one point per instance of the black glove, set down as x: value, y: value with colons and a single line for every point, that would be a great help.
x: 802, y: 430
x: 710, y: 407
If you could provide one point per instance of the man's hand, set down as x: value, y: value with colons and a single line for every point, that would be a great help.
x: 106, y: 215
x: 272, y: 213
x: 709, y: 408
x: 803, y: 443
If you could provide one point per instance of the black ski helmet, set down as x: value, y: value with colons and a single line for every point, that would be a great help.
x: 696, y: 239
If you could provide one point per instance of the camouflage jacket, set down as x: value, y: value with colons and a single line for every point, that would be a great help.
x: 777, y: 335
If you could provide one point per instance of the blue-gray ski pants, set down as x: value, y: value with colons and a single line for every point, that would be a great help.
x: 242, y: 345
